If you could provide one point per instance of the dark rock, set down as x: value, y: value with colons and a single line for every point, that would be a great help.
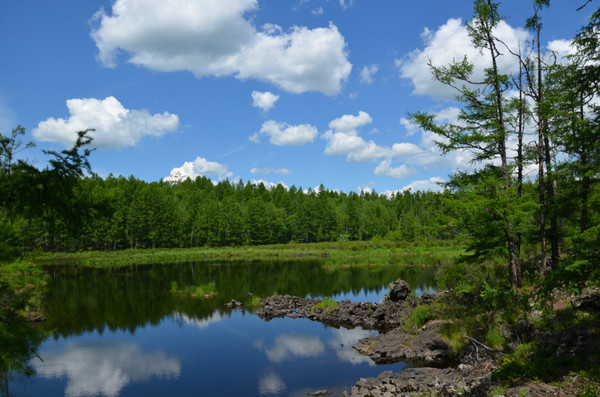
x: 422, y: 381
x: 589, y: 300
x: 396, y: 345
x: 234, y: 304
x: 382, y: 317
x: 399, y: 291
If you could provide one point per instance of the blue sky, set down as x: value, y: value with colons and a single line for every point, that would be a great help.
x: 299, y: 92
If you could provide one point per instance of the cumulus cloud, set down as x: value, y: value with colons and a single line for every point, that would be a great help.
x: 215, y: 38
x: 283, y: 134
x: 317, y: 11
x: 115, y: 126
x: 196, y: 168
x: 561, y: 49
x: 431, y: 184
x: 268, y: 170
x: 264, y: 100
x: 451, y: 42
x: 349, y: 123
x: 343, y: 139
x: 385, y: 169
x: 367, y: 74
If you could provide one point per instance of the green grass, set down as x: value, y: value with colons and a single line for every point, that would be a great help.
x: 327, y: 304
x: 335, y: 254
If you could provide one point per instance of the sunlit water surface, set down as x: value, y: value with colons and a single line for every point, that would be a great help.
x: 124, y: 332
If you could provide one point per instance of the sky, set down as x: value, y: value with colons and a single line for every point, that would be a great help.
x: 298, y: 92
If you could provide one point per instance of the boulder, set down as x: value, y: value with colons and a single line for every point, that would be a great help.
x: 399, y: 291
x: 589, y: 300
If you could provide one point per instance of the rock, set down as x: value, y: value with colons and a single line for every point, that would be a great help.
x: 399, y: 291
x: 382, y: 317
x: 422, y: 381
x: 589, y: 300
x: 234, y: 304
x: 396, y: 345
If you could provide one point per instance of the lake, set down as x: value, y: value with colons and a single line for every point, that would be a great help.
x: 140, y: 331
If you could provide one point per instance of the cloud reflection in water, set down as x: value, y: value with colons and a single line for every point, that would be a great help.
x: 344, y: 339
x: 104, y: 368
x: 289, y: 346
x: 271, y: 384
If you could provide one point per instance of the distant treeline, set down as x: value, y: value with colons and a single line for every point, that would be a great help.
x: 117, y: 213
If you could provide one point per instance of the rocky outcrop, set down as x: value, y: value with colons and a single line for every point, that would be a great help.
x: 399, y: 291
x: 463, y: 381
x: 427, y: 347
x: 382, y: 317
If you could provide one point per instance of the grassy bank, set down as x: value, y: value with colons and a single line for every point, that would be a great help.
x: 334, y: 254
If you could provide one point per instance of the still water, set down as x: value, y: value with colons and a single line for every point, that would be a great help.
x: 125, y: 332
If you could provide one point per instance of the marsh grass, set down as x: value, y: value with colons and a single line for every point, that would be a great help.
x: 334, y: 254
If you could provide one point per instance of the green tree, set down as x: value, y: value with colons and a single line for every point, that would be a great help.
x: 482, y: 128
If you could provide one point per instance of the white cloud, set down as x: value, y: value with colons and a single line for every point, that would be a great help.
x: 345, y: 4
x: 431, y: 184
x: 368, y: 152
x: 385, y: 169
x: 268, y: 170
x: 104, y: 369
x: 561, y: 49
x: 349, y: 123
x: 367, y: 73
x: 116, y: 126
x: 264, y: 100
x: 318, y: 11
x: 213, y: 38
x: 283, y: 134
x: 341, y: 143
x: 196, y: 168
x: 449, y: 43
x: 267, y: 184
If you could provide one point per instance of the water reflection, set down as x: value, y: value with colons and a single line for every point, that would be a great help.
x: 290, y: 346
x: 200, y: 323
x: 84, y: 300
x: 342, y: 344
x: 271, y: 384
x: 104, y: 368
x: 167, y: 334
